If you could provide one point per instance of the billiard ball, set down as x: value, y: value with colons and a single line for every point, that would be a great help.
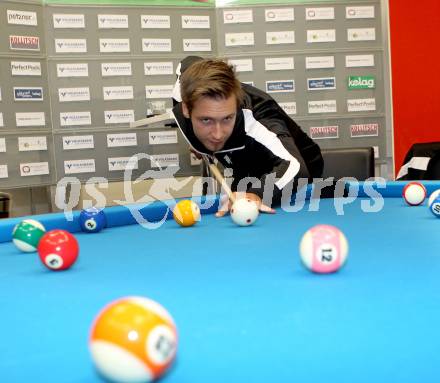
x: 58, y: 249
x: 244, y: 212
x: 186, y: 213
x: 27, y: 234
x: 434, y: 206
x: 92, y: 220
x: 323, y: 249
x: 414, y: 193
x: 133, y: 339
x: 433, y: 196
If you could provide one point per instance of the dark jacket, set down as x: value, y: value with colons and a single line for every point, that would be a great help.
x: 264, y: 140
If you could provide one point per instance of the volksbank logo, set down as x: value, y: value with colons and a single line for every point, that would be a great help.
x: 118, y: 93
x: 112, y: 21
x: 71, y: 45
x: 116, y: 69
x: 68, y: 21
x: 190, y: 45
x: 75, y: 118
x: 73, y: 94
x: 120, y: 163
x: 361, y: 82
x: 78, y: 142
x: 118, y: 116
x: 121, y: 139
x: 73, y: 70
x: 79, y: 166
x: 159, y: 91
x: 156, y: 45
x: 195, y: 22
x: 114, y: 45
x: 158, y: 68
x: 155, y: 21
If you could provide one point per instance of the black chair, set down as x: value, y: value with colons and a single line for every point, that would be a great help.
x: 348, y: 162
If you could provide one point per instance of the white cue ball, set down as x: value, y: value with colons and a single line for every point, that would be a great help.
x: 244, y: 212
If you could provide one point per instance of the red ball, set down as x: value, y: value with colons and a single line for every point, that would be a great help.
x: 58, y: 249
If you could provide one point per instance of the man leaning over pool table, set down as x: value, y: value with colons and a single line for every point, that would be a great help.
x: 245, y: 130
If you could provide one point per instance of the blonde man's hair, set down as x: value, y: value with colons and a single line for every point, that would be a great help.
x: 211, y: 78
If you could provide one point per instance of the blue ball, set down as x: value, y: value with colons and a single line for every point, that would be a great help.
x: 434, y: 206
x: 92, y: 220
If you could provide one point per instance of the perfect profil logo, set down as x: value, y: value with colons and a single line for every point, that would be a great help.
x: 361, y: 82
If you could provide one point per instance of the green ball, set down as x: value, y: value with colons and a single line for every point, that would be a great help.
x: 27, y: 234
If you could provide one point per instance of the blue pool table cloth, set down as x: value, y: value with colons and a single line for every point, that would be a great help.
x: 245, y: 307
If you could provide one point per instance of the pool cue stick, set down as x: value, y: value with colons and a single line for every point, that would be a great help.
x: 160, y: 118
x: 219, y: 177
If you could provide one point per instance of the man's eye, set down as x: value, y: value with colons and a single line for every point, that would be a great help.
x: 206, y: 120
x: 229, y: 118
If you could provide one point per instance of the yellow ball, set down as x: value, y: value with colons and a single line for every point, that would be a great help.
x: 186, y: 213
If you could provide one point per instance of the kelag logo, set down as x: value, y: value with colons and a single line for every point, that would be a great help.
x: 361, y: 82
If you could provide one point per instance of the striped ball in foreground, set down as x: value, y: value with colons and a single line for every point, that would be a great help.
x: 323, y: 249
x: 27, y: 234
x: 133, y: 339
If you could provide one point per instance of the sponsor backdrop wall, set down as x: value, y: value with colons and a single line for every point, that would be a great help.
x: 74, y: 74
x: 415, y: 66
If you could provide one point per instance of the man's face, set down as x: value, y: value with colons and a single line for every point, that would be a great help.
x: 213, y: 120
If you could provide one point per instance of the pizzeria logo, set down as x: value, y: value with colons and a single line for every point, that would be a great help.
x: 22, y: 17
x: 24, y: 43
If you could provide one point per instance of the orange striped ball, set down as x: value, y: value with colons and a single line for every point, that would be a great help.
x: 133, y: 339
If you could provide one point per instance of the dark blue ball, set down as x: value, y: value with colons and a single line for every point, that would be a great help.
x: 92, y: 220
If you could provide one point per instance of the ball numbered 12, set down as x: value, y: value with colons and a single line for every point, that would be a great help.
x: 133, y: 339
x: 27, y: 234
x: 92, y: 220
x: 323, y: 249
